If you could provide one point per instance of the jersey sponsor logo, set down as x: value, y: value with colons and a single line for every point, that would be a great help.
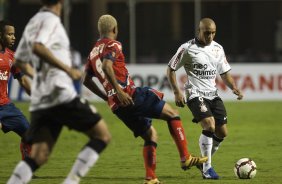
x: 4, y: 75
x: 201, y: 71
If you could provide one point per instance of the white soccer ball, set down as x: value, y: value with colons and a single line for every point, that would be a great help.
x: 245, y: 168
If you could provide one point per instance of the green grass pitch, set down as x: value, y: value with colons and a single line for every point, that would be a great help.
x: 254, y: 131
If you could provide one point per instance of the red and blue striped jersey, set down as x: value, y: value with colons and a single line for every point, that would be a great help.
x: 112, y: 50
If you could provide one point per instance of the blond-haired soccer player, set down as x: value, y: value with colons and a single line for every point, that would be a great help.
x: 135, y: 106
x: 202, y: 59
x: 54, y: 101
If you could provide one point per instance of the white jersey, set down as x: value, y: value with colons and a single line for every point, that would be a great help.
x: 202, y: 64
x: 50, y: 86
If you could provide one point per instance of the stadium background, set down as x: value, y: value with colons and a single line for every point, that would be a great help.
x: 151, y: 31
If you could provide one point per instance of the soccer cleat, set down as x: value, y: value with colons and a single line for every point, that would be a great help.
x: 193, y: 161
x: 152, y: 181
x: 210, y: 174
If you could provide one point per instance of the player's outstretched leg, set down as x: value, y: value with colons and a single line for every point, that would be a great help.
x: 177, y: 132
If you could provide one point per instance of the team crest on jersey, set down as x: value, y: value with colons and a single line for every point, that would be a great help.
x: 215, y: 52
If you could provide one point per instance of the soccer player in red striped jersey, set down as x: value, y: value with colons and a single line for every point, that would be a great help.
x: 11, y: 118
x: 135, y: 106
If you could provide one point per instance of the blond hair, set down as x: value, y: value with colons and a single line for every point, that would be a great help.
x: 106, y: 24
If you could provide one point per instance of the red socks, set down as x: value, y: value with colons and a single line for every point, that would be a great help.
x: 25, y: 149
x: 177, y: 132
x: 149, y: 154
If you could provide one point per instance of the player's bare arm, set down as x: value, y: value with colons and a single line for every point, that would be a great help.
x: 228, y: 80
x: 25, y: 67
x: 24, y: 82
x: 123, y: 97
x: 91, y: 85
x: 45, y: 54
x: 179, y: 98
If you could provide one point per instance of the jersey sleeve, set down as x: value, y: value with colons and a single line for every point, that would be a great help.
x: 111, y: 51
x: 176, y: 61
x: 223, y: 65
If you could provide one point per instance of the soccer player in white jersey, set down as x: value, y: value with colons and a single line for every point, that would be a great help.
x: 202, y: 59
x: 54, y: 101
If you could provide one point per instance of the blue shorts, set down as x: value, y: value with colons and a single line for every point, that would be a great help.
x: 148, y: 104
x: 12, y: 119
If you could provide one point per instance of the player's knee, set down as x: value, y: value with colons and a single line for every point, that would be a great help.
x: 169, y: 113
x: 106, y: 137
x: 211, y: 128
x: 40, y: 152
x: 208, y: 124
x: 154, y: 135
x: 150, y: 135
x: 222, y: 134
x: 100, y: 131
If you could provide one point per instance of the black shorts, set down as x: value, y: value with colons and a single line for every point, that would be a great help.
x: 202, y: 108
x: 47, y: 124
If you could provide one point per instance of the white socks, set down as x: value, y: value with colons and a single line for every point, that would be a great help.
x: 22, y: 174
x: 206, y: 144
x: 85, y: 160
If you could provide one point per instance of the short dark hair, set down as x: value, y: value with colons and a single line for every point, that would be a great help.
x: 49, y: 2
x: 4, y: 23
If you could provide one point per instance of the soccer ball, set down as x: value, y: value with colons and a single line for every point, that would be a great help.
x: 245, y: 168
